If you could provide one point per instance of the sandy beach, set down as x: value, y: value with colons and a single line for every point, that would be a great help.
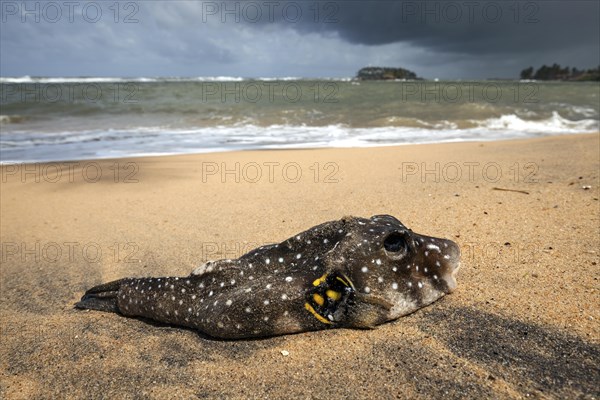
x: 523, y: 323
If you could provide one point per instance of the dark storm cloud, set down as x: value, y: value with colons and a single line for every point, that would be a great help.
x: 468, y: 27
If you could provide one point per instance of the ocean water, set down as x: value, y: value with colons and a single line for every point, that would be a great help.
x: 60, y: 119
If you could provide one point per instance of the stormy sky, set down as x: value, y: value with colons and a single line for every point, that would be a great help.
x: 436, y: 39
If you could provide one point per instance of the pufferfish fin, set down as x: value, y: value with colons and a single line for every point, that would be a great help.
x: 102, y: 297
x: 368, y: 311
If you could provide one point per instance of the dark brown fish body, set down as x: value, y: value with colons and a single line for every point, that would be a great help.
x: 353, y: 272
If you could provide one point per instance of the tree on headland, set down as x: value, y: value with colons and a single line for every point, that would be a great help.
x: 527, y: 73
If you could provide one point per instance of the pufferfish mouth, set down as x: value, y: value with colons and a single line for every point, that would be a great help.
x: 451, y: 278
x: 452, y: 265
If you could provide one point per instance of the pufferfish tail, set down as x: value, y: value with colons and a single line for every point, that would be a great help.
x: 102, y: 297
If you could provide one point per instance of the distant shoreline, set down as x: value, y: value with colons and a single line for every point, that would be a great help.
x: 6, y: 80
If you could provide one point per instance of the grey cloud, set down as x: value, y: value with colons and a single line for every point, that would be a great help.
x: 180, y: 38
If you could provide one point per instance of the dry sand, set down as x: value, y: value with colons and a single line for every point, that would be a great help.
x: 524, y: 321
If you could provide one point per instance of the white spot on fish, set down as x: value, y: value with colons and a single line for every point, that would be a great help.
x: 433, y: 247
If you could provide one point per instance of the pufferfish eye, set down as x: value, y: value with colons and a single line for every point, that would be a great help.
x: 395, y: 243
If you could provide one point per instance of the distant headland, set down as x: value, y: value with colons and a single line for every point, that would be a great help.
x: 545, y: 73
x: 556, y: 73
x: 385, y: 73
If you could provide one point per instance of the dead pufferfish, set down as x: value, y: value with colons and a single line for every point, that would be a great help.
x: 351, y: 273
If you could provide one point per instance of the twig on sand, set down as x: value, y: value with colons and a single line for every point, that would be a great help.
x: 510, y: 190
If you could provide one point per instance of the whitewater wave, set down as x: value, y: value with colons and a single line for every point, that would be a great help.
x: 24, y: 146
x: 99, y: 79
x: 29, y: 79
x: 555, y: 124
x: 12, y: 119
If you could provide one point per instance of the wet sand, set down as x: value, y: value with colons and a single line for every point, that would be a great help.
x: 524, y: 321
